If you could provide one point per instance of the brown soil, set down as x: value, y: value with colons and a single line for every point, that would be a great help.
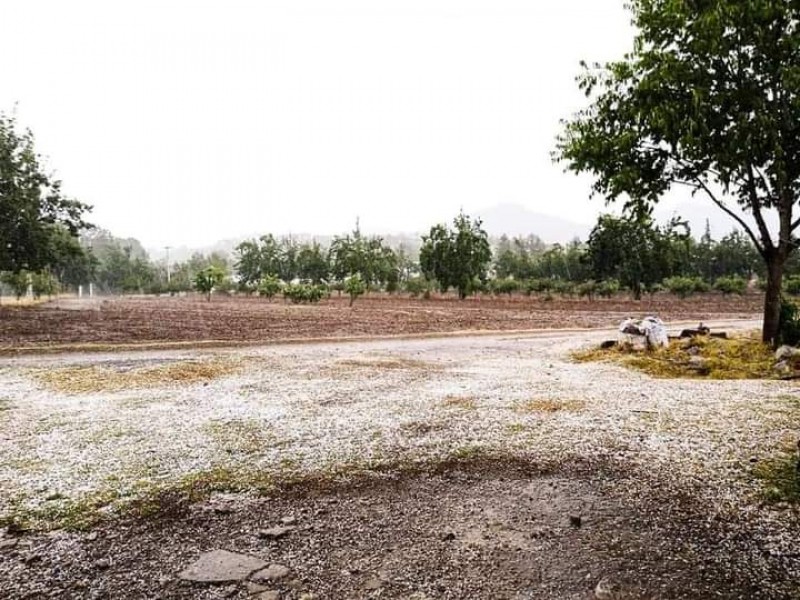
x: 481, y: 530
x: 239, y: 319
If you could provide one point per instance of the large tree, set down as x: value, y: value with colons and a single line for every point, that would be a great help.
x: 34, y: 213
x: 708, y: 98
x: 457, y: 257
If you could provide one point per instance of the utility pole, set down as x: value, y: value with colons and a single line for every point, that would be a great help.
x: 169, y: 274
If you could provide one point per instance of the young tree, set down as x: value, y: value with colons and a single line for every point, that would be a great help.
x: 354, y: 286
x: 708, y: 98
x: 208, y: 279
x: 456, y: 257
x: 33, y: 209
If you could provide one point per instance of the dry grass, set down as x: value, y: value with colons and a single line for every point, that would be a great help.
x: 385, y: 363
x: 744, y: 357
x: 84, y: 380
x: 241, y: 436
x: 462, y: 402
x: 550, y: 405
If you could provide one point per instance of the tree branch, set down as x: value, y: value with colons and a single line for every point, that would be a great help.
x: 759, y: 245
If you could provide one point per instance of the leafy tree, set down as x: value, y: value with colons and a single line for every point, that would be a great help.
x: 18, y: 281
x: 355, y: 287
x: 43, y: 284
x: 270, y: 287
x: 367, y: 256
x: 312, y: 263
x: 33, y: 210
x: 629, y: 249
x: 457, y: 257
x: 708, y: 98
x: 208, y: 279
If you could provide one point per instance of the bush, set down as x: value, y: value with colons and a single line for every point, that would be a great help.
x: 607, y: 288
x: 43, y: 284
x: 355, y: 287
x: 565, y: 288
x: 536, y: 286
x: 684, y: 287
x: 303, y: 293
x: 791, y: 285
x: 18, y: 282
x: 504, y: 285
x: 418, y: 286
x: 270, y: 287
x: 587, y: 289
x: 730, y: 285
x: 789, y: 323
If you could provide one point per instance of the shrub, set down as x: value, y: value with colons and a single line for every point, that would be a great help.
x: 730, y: 285
x: 791, y: 285
x: 684, y: 287
x: 789, y: 323
x: 207, y: 280
x: 270, y: 287
x: 607, y: 288
x: 302, y: 293
x: 18, y: 282
x: 417, y: 286
x: 535, y: 286
x: 504, y: 285
x: 587, y: 289
x: 565, y: 288
x: 355, y: 287
x: 43, y: 284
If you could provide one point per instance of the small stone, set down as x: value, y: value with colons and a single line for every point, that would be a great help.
x: 289, y: 520
x: 448, y: 537
x: 271, y: 573
x: 576, y: 521
x: 102, y: 563
x: 606, y: 590
x: 8, y: 544
x: 92, y: 536
x: 221, y: 566
x: 255, y: 588
x: 269, y: 595
x: 373, y: 584
x: 274, y: 533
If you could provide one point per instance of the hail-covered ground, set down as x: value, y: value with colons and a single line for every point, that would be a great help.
x: 86, y: 432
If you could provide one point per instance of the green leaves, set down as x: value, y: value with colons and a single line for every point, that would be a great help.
x: 456, y: 257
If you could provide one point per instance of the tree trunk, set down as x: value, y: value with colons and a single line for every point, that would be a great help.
x: 772, y: 301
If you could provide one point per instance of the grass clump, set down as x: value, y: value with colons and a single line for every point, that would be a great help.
x: 83, y: 380
x: 550, y: 405
x: 743, y: 357
x: 780, y: 478
x: 462, y: 402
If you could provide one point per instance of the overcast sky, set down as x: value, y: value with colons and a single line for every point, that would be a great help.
x: 187, y: 122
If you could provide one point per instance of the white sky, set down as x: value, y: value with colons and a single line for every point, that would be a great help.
x: 189, y: 122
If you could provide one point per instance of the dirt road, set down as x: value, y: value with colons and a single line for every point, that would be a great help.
x: 472, y: 467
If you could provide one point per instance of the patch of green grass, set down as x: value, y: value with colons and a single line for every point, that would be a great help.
x: 780, y: 478
x: 743, y: 357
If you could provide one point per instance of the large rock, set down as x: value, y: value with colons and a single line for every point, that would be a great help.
x: 271, y: 573
x: 785, y: 352
x: 220, y: 566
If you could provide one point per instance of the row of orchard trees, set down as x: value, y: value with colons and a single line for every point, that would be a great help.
x: 621, y: 253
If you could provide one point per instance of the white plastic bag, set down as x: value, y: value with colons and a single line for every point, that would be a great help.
x: 654, y: 332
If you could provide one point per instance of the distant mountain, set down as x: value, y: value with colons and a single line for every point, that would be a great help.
x: 514, y: 220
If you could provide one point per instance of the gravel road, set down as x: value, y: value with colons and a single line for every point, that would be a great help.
x: 106, y: 429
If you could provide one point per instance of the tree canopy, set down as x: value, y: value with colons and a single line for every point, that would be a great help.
x: 709, y: 98
x: 34, y: 213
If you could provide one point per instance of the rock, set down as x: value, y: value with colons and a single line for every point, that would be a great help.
x: 785, y: 352
x: 693, y: 351
x: 606, y: 590
x: 269, y: 595
x: 255, y: 588
x: 220, y: 566
x: 92, y: 536
x: 373, y: 584
x: 448, y: 536
x: 576, y: 521
x: 289, y: 520
x: 102, y: 563
x: 782, y: 367
x: 274, y: 533
x: 271, y: 573
x: 8, y: 544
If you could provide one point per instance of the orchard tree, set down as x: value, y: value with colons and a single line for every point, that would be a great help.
x: 208, y: 279
x: 709, y: 98
x: 33, y: 210
x: 456, y: 257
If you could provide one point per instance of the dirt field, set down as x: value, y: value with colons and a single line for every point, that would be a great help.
x: 128, y: 320
x: 458, y: 468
